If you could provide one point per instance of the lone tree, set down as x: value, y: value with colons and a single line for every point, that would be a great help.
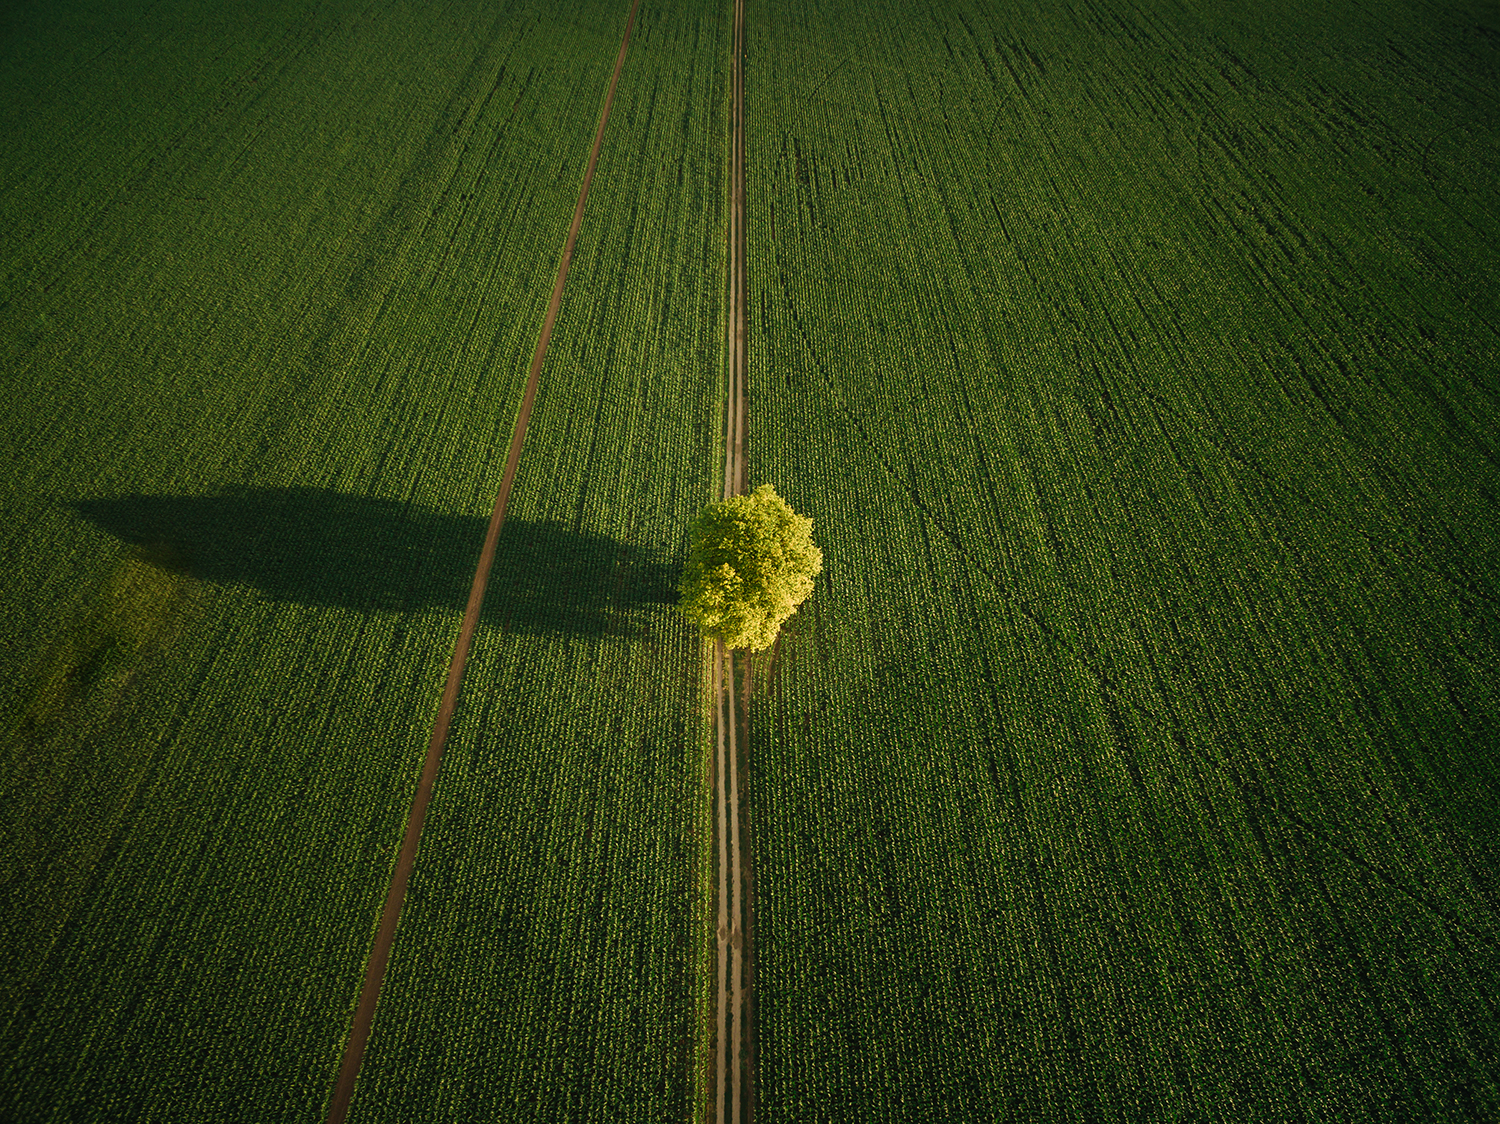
x: 751, y: 562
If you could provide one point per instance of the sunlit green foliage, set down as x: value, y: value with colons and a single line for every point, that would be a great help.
x: 751, y: 563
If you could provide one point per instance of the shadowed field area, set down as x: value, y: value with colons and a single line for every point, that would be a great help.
x: 1136, y: 759
x: 314, y: 546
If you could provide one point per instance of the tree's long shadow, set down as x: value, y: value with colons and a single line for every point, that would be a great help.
x: 319, y: 547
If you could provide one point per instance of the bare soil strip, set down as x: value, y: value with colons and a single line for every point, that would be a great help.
x: 721, y: 810
x: 737, y: 909
x: 364, y: 1013
x: 734, y: 1040
x: 735, y: 482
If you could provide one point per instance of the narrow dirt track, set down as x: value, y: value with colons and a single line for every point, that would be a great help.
x: 385, y: 935
x: 733, y: 1098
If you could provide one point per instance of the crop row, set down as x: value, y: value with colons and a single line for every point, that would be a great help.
x: 549, y: 963
x: 1130, y: 757
x: 263, y: 347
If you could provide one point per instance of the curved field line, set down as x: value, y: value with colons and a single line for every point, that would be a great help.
x: 385, y: 935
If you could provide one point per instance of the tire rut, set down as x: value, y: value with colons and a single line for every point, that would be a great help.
x: 733, y: 1101
x: 385, y: 935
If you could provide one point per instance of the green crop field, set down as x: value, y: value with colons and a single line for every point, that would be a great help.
x: 1137, y: 754
x: 1136, y: 757
x: 270, y: 279
x: 549, y: 963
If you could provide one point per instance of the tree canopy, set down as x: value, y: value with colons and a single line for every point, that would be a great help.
x: 751, y: 562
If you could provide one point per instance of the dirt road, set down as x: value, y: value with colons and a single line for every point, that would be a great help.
x: 734, y: 1048
x: 364, y: 1012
